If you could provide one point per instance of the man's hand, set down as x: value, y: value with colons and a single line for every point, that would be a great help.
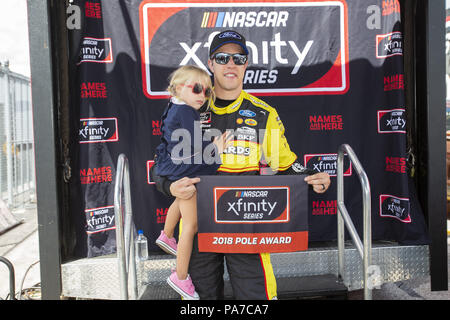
x: 319, y: 181
x: 184, y: 188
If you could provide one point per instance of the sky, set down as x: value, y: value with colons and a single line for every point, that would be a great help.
x: 14, y: 35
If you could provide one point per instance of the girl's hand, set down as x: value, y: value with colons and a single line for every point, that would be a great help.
x: 223, y: 141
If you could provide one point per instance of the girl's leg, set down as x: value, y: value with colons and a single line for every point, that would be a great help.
x: 172, y: 218
x: 188, y: 210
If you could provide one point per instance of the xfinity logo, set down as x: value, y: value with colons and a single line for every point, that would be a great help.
x: 100, y: 219
x: 389, y: 45
x: 240, y: 206
x: 104, y: 220
x: 392, y: 121
x: 327, y: 163
x: 94, y: 130
x: 251, y: 204
x: 96, y: 50
x: 278, y: 53
x: 91, y: 50
x: 395, y: 207
x: 259, y: 52
x: 99, y: 132
x: 396, y: 122
x: 323, y: 165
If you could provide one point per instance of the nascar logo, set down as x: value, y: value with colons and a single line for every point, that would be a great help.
x: 244, y: 19
x: 244, y: 194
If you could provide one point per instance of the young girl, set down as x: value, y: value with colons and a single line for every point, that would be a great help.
x: 190, y: 88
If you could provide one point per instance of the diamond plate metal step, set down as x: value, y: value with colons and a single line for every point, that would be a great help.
x: 97, y: 278
x: 291, y: 288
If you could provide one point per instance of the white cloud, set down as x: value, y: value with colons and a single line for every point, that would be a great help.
x: 14, y: 35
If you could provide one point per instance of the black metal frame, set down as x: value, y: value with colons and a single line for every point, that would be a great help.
x: 46, y: 23
x: 48, y: 51
x: 424, y: 61
x: 430, y: 112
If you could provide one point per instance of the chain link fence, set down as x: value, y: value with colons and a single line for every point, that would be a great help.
x: 17, y: 173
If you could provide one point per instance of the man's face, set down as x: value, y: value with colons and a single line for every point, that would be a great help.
x: 228, y: 78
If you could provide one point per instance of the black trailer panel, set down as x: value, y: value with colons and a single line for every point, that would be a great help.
x: 430, y: 105
x: 45, y: 123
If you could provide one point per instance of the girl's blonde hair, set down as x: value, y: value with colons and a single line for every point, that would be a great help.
x: 188, y: 72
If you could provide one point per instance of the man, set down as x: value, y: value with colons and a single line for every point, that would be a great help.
x: 251, y: 275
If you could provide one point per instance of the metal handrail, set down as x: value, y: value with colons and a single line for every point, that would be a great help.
x: 364, y: 249
x: 12, y: 287
x: 125, y: 232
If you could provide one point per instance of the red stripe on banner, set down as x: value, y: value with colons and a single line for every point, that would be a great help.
x: 212, y: 19
x: 334, y: 75
x: 253, y: 242
x: 159, y: 16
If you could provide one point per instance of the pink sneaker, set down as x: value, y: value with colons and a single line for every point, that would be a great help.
x: 168, y: 245
x: 184, y: 287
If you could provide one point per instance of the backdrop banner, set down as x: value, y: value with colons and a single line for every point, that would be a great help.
x: 252, y: 214
x: 332, y: 69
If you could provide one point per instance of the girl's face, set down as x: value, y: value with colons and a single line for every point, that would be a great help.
x: 194, y: 93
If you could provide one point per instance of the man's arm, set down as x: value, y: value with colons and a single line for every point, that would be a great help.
x: 162, y: 184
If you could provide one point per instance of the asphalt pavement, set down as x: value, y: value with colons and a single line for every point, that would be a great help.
x: 20, y: 245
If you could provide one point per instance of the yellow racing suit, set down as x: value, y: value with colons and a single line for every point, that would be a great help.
x: 258, y: 137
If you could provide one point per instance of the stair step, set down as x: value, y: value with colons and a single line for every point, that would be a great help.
x: 324, y: 286
x: 288, y: 288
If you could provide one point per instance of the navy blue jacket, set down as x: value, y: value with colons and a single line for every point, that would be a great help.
x: 189, y: 160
